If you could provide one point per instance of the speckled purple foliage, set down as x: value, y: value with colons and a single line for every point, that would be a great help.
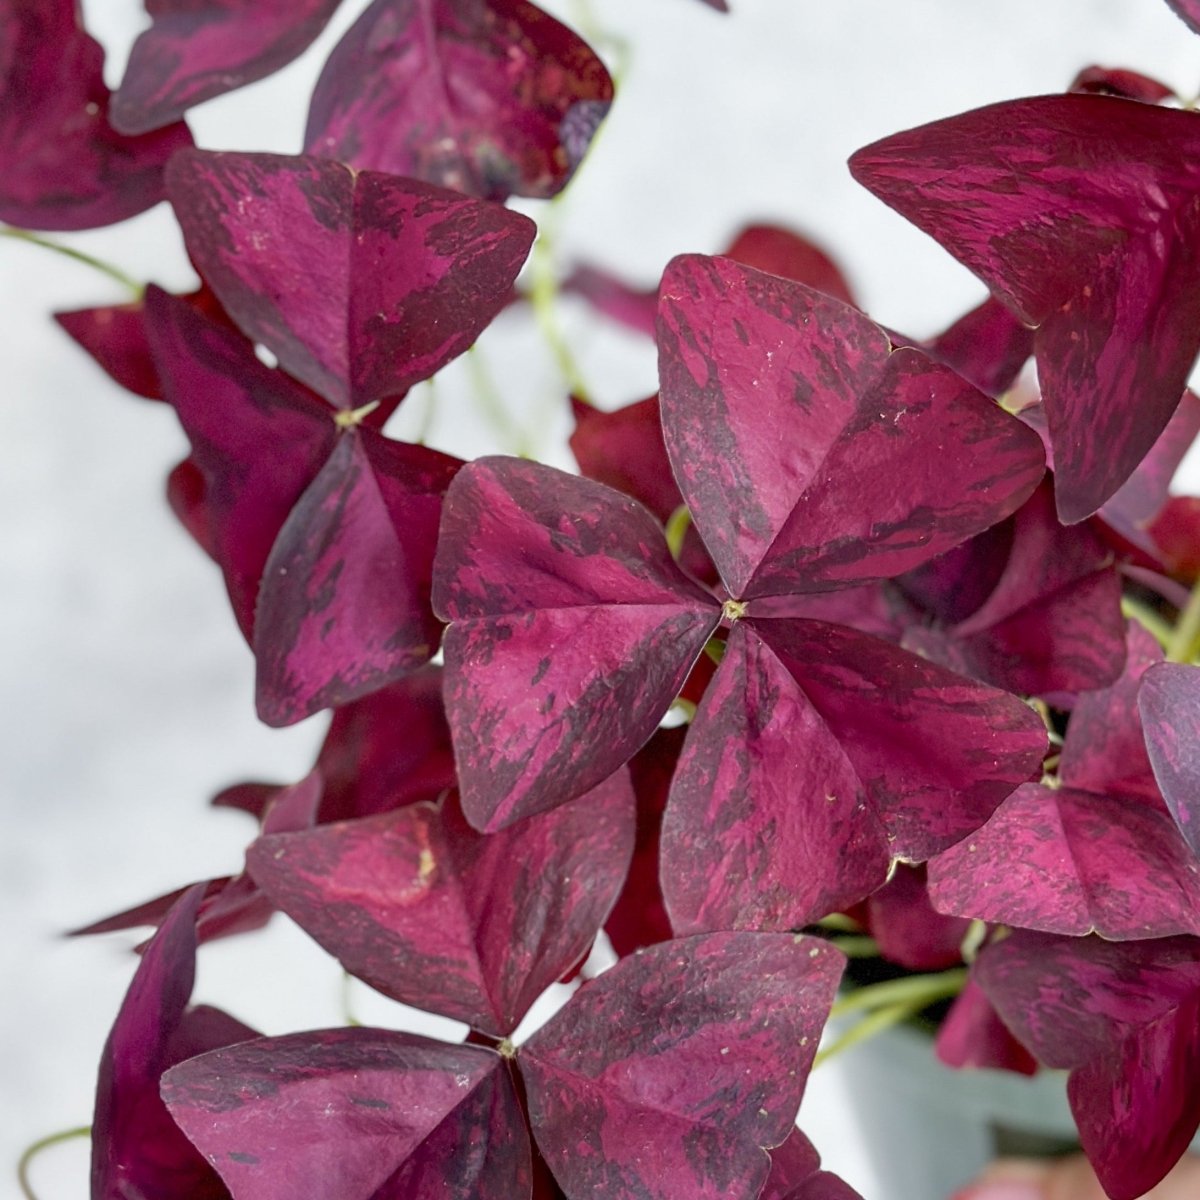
x: 1169, y: 703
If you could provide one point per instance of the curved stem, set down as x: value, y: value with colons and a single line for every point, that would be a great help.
x: 31, y: 1152
x: 856, y: 946
x: 543, y: 296
x: 36, y: 239
x: 1182, y: 646
x: 921, y: 990
x: 676, y: 529
x: 1149, y: 619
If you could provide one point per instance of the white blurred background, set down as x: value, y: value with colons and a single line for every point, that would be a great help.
x: 125, y: 690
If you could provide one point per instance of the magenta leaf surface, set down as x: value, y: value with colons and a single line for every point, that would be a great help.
x: 987, y: 346
x: 1080, y: 213
x: 344, y: 603
x: 197, y: 49
x: 743, y: 355
x: 817, y: 756
x: 361, y: 283
x: 1124, y: 1018
x: 137, y: 1150
x: 1072, y: 862
x: 1169, y: 703
x: 572, y: 630
x: 972, y: 1035
x: 667, y: 1076
x: 489, y: 97
x: 907, y: 928
x: 65, y: 167
x: 796, y: 1174
x: 435, y: 915
x: 356, y: 1113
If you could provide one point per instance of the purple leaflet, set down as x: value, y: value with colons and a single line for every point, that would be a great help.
x: 343, y: 607
x: 988, y: 347
x: 1120, y: 81
x: 1105, y: 750
x: 818, y: 755
x: 361, y: 283
x: 1082, y: 214
x: 65, y: 167
x: 435, y: 915
x: 743, y: 356
x: 1169, y: 703
x: 1072, y: 862
x: 137, y: 1150
x: 572, y: 631
x: 908, y: 929
x: 665, y: 1077
x: 356, y: 1114
x: 489, y: 97
x: 796, y: 1174
x: 197, y: 49
x: 972, y: 1035
x: 1124, y: 1019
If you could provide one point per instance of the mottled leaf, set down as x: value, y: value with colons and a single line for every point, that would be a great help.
x: 1082, y: 214
x: 435, y: 915
x: 137, y: 1150
x: 197, y: 49
x: 1169, y: 703
x: 361, y: 283
x: 65, y: 167
x: 489, y: 97
x: 572, y: 631
x: 744, y: 356
x: 1072, y: 862
x: 1124, y: 1018
x: 667, y: 1075
x: 357, y: 1114
x: 343, y: 607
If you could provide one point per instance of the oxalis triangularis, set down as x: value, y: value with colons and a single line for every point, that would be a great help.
x: 924, y: 633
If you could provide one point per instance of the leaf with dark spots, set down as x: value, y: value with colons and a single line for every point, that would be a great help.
x: 796, y: 1174
x: 1081, y: 213
x: 768, y: 825
x: 356, y: 1113
x: 1104, y: 749
x: 362, y: 284
x: 343, y: 607
x: 972, y: 1035
x: 1169, y: 704
x: 820, y: 509
x: 1123, y: 1018
x: 435, y: 915
x: 195, y: 51
x: 136, y: 1148
x: 1072, y: 862
x: 935, y: 752
x: 489, y: 97
x: 665, y: 1077
x: 65, y: 166
x: 534, y: 564
x: 258, y: 440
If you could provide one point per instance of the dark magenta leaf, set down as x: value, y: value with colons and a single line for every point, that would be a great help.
x: 435, y: 915
x: 796, y: 1174
x: 1080, y: 213
x: 197, y: 49
x: 804, y: 773
x: 743, y: 355
x: 972, y: 1035
x: 65, y: 167
x: 949, y: 588
x: 1104, y: 749
x: 987, y: 347
x: 1072, y: 862
x: 343, y: 607
x: 1124, y: 1019
x: 137, y: 1150
x: 232, y: 408
x: 572, y: 630
x: 362, y: 284
x: 357, y: 1114
x: 666, y: 1076
x: 489, y: 97
x: 1169, y: 703
x: 1120, y: 81
x: 908, y: 929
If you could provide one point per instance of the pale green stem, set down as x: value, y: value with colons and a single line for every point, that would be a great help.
x: 875, y: 1023
x: 53, y: 1139
x: 426, y: 426
x: 677, y: 526
x: 543, y: 296
x: 493, y: 406
x: 98, y: 264
x: 920, y: 989
x: 1182, y: 646
x: 840, y: 923
x: 1149, y: 619
x: 348, y: 1017
x: 715, y: 649
x: 856, y: 946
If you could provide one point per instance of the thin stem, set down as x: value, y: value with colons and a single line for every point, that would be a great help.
x: 715, y: 649
x: 1182, y: 646
x: 31, y: 1152
x: 1149, y: 619
x: 856, y: 946
x: 348, y: 1017
x: 493, y: 405
x: 868, y: 1027
x: 676, y: 529
x: 922, y: 990
x: 543, y: 296
x: 36, y: 239
x: 840, y: 923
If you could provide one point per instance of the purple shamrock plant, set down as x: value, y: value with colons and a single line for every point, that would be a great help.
x: 847, y: 660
